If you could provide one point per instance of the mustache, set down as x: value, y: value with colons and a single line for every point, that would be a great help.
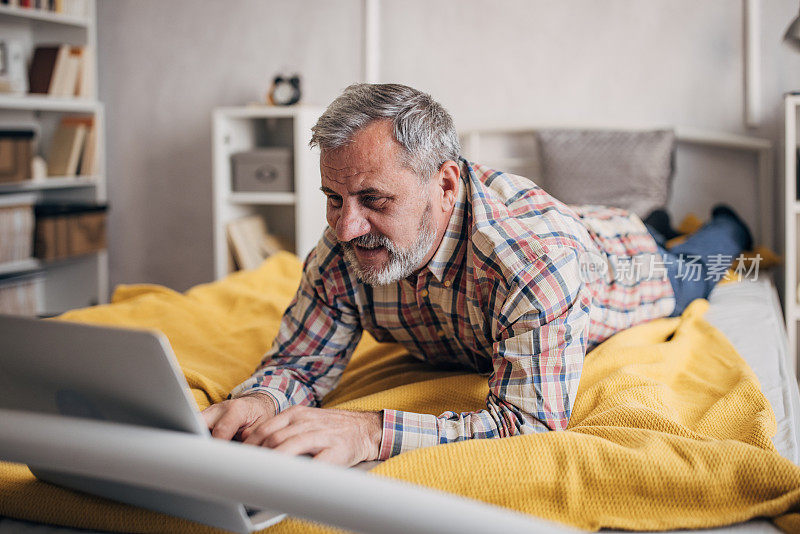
x: 369, y: 241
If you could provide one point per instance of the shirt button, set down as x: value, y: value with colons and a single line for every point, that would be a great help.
x: 447, y: 283
x: 423, y: 293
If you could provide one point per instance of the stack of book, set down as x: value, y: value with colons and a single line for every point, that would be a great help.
x: 73, y: 150
x: 250, y: 243
x: 62, y: 70
x: 78, y: 8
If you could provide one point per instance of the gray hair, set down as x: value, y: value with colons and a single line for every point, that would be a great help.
x: 421, y: 124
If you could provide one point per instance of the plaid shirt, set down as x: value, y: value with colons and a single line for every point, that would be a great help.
x: 507, y: 294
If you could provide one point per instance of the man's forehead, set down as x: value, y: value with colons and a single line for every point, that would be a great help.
x: 355, y: 173
x: 350, y: 176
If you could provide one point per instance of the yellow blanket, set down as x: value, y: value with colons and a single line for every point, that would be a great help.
x: 670, y: 428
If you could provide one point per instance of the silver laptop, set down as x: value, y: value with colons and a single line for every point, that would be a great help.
x: 112, y: 374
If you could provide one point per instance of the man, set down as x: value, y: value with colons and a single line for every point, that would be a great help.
x: 460, y: 264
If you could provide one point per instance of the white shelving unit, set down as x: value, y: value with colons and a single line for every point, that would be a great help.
x: 53, y: 182
x: 296, y: 217
x: 46, y: 17
x: 791, y: 227
x: 35, y: 102
x: 80, y: 281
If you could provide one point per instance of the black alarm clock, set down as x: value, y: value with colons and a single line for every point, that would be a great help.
x: 284, y: 91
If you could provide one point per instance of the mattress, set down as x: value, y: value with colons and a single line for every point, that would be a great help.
x: 749, y: 314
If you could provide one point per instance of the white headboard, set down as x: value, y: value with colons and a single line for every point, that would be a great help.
x: 709, y: 168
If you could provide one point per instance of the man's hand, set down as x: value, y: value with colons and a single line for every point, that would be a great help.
x: 335, y: 436
x: 230, y: 418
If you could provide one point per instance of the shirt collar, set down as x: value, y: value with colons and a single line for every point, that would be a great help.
x: 451, y: 248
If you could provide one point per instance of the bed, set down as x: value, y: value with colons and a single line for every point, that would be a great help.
x: 748, y: 313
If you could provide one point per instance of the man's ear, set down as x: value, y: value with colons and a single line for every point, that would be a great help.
x: 448, y: 178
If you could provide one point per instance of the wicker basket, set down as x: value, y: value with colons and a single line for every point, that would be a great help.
x: 19, y: 293
x: 16, y: 228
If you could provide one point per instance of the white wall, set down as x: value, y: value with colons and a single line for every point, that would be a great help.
x: 165, y: 65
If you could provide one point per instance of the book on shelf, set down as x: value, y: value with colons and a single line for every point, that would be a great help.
x: 250, y: 243
x: 69, y: 144
x: 88, y: 161
x: 40, y: 73
x: 62, y: 70
x: 79, y: 8
x: 85, y: 81
x: 67, y: 80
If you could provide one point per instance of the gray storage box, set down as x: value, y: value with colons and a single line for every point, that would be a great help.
x: 263, y: 169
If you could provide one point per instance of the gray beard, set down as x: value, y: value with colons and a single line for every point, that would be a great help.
x: 402, y: 263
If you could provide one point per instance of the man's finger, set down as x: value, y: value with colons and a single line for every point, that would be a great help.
x: 279, y: 436
x: 229, y: 424
x: 212, y: 414
x: 307, y: 443
x: 257, y: 434
x: 331, y: 456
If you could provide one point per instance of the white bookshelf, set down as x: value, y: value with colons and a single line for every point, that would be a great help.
x: 296, y: 217
x: 49, y: 103
x: 274, y: 199
x: 10, y: 267
x: 40, y: 16
x: 53, y: 182
x: 83, y: 280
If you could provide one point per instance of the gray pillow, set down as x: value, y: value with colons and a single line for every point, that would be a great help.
x: 624, y: 169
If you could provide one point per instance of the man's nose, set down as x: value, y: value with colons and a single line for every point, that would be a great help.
x: 351, y: 223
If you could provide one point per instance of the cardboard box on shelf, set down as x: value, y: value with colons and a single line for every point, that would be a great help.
x: 16, y: 151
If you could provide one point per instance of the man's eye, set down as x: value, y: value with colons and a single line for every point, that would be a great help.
x: 373, y: 201
x: 335, y: 201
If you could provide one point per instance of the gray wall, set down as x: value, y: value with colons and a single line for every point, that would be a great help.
x: 165, y: 65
